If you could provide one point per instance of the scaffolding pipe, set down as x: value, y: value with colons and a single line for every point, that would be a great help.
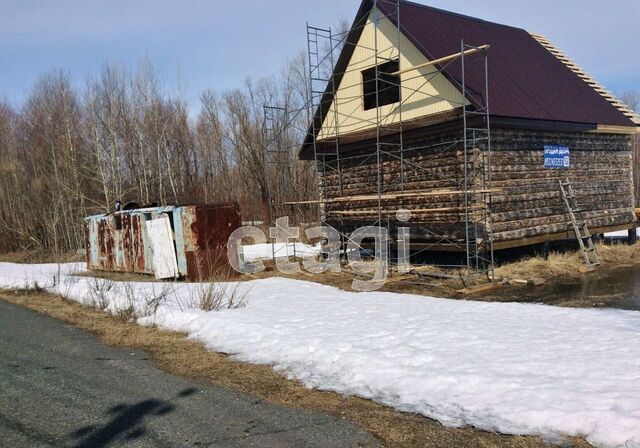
x: 451, y: 57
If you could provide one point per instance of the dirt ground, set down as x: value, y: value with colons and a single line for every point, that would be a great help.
x: 613, y: 256
x: 176, y: 354
x: 563, y: 265
x: 558, y: 265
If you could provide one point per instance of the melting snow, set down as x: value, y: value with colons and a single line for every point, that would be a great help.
x: 507, y: 367
x: 265, y: 251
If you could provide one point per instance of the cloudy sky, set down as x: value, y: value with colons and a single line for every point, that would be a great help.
x: 219, y: 43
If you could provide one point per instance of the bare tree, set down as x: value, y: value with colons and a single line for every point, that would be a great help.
x: 632, y: 99
x: 65, y: 155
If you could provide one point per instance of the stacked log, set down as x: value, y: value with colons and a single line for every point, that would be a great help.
x: 528, y: 204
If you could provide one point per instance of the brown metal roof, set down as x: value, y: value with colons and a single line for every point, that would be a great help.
x: 526, y: 80
x: 575, y: 68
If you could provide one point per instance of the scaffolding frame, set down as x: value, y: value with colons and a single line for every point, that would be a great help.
x: 474, y: 140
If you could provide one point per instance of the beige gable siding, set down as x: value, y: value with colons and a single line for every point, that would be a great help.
x: 424, y: 91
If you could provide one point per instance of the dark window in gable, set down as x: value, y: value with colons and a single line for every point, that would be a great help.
x: 388, y: 85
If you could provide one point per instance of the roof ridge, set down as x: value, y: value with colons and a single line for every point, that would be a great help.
x: 590, y: 80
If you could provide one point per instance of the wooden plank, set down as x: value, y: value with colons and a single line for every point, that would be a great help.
x: 480, y: 288
x: 304, y: 202
x: 439, y: 247
x: 517, y: 281
x: 534, y: 281
x: 610, y: 129
x: 398, y: 278
x: 391, y: 196
x: 392, y: 212
x: 451, y: 57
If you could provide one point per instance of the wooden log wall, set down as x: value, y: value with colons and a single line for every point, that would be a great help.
x: 530, y: 203
x: 430, y: 164
x: 636, y: 168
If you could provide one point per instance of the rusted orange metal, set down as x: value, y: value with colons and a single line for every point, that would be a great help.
x: 119, y: 242
x: 206, y: 231
x: 106, y: 243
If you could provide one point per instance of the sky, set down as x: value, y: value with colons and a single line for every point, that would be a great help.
x: 195, y: 45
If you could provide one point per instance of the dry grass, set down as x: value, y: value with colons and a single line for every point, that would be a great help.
x: 559, y: 265
x: 216, y: 296
x: 176, y: 354
x: 119, y: 276
x: 567, y: 265
x: 37, y: 256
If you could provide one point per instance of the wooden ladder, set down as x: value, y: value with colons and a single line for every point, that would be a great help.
x: 589, y: 251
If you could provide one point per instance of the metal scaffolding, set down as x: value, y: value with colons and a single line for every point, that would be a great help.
x: 474, y: 139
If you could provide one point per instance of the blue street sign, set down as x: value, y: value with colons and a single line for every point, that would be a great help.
x: 556, y: 156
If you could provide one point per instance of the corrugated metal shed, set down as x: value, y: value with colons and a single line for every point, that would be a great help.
x: 196, y: 234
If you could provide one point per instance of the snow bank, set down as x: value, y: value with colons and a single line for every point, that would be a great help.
x: 512, y: 368
x: 14, y: 275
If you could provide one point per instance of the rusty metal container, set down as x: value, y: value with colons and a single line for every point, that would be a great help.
x: 202, y: 245
x: 120, y: 242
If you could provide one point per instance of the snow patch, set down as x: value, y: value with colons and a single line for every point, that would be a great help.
x: 265, y: 251
x: 620, y: 234
x: 507, y: 367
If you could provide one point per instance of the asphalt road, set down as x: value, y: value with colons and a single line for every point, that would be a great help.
x: 61, y: 387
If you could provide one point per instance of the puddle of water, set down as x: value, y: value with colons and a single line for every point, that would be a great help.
x: 619, y: 289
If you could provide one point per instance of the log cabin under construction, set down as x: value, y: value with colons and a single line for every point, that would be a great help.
x: 467, y: 123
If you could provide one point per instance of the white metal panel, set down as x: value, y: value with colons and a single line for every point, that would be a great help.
x: 165, y: 264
